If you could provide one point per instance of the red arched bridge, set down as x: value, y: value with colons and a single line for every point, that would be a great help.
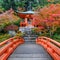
x: 17, y: 49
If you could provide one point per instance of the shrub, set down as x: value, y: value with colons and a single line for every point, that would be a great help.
x: 11, y: 27
x: 4, y: 37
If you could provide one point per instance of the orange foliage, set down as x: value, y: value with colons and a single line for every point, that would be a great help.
x: 7, y: 17
x: 48, y: 17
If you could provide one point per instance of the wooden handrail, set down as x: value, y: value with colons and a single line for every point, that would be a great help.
x: 4, y: 42
x: 51, y: 46
x: 8, y: 46
x: 51, y: 40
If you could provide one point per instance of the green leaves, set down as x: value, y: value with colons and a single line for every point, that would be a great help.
x: 4, y: 37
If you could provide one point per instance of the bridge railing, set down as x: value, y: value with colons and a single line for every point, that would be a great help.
x: 52, y: 46
x: 8, y: 46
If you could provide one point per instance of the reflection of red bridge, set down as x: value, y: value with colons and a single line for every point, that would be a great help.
x: 7, y: 47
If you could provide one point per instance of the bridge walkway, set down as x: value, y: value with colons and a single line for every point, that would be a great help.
x: 30, y: 50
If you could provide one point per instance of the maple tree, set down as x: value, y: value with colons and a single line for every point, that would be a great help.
x: 8, y: 18
x: 48, y: 17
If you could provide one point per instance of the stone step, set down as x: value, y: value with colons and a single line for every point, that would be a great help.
x: 31, y: 35
x: 31, y: 40
x: 29, y: 56
x: 29, y: 59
